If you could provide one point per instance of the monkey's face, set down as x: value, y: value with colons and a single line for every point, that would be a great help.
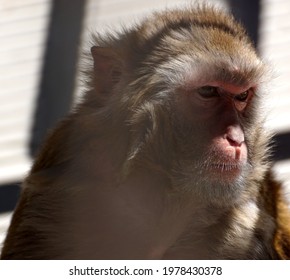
x: 210, y: 127
x: 198, y: 117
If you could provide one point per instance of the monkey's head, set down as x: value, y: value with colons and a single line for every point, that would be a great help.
x: 188, y: 86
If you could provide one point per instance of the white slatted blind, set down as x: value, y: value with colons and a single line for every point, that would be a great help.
x: 22, y: 37
x: 23, y: 25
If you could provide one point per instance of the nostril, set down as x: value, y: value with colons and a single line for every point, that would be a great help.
x: 233, y: 142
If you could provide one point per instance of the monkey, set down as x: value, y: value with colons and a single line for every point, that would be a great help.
x: 166, y: 156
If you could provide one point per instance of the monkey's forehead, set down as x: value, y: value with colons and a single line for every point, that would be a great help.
x: 204, y: 41
x: 186, y: 70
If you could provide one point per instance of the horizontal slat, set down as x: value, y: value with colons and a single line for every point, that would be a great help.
x: 17, y: 28
x: 14, y: 171
x: 275, y: 8
x: 14, y: 141
x: 20, y: 3
x: 27, y: 47
x: 14, y: 11
x: 13, y: 71
x: 17, y: 83
x: 5, y: 155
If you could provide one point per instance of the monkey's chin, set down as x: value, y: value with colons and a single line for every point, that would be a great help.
x: 224, y: 183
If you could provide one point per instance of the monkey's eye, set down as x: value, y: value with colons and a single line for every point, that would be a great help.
x: 241, y: 100
x: 242, y: 97
x: 208, y: 92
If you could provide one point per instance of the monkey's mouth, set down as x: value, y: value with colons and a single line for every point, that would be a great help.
x: 224, y: 166
x: 225, y: 170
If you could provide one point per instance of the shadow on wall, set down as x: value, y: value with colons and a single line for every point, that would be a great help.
x: 281, y: 146
x: 9, y: 195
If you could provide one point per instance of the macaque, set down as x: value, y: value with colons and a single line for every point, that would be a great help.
x: 167, y: 155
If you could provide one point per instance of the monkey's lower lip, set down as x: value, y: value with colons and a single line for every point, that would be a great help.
x: 225, y: 167
x: 225, y: 172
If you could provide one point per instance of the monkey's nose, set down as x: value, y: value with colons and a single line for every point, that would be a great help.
x: 235, y: 136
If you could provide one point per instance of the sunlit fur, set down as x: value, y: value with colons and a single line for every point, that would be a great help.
x: 128, y: 175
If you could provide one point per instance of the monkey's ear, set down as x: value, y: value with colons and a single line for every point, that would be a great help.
x: 107, y: 68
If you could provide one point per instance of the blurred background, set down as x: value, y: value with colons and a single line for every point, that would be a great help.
x: 40, y: 43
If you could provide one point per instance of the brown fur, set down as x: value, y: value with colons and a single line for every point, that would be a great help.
x: 119, y: 177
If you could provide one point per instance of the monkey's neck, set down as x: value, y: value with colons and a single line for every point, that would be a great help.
x: 211, y: 232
